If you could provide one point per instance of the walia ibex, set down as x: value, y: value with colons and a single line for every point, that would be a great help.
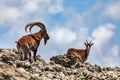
x: 31, y: 42
x: 81, y: 54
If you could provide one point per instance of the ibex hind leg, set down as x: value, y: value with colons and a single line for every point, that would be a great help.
x: 26, y: 55
x: 20, y: 56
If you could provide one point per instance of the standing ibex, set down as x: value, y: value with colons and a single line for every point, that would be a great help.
x: 81, y: 54
x: 31, y: 42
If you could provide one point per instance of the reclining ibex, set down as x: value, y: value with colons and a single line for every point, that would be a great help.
x: 31, y: 42
x: 81, y: 54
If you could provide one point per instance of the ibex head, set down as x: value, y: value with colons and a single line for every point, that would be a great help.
x: 43, y: 31
x: 46, y: 37
x: 88, y: 44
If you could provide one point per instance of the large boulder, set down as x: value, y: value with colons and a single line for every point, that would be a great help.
x: 64, y: 60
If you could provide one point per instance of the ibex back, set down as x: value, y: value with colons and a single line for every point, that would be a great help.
x: 31, y: 42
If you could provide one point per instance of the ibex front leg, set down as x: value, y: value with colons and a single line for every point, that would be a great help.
x: 79, y: 59
x: 30, y: 56
x: 34, y: 56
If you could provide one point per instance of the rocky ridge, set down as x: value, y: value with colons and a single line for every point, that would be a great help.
x: 60, y: 67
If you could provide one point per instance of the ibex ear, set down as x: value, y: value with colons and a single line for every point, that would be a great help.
x: 85, y: 43
x: 42, y: 34
x: 91, y: 44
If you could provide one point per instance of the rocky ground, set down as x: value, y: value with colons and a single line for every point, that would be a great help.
x: 60, y: 67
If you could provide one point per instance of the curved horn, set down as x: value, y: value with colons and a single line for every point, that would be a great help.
x: 39, y: 24
x: 86, y: 41
x: 27, y: 26
x: 90, y: 41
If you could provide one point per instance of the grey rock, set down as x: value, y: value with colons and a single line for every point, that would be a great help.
x: 60, y: 67
x: 64, y: 60
x: 49, y: 75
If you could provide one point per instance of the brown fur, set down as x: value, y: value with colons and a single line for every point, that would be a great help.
x: 30, y: 42
x: 81, y: 54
